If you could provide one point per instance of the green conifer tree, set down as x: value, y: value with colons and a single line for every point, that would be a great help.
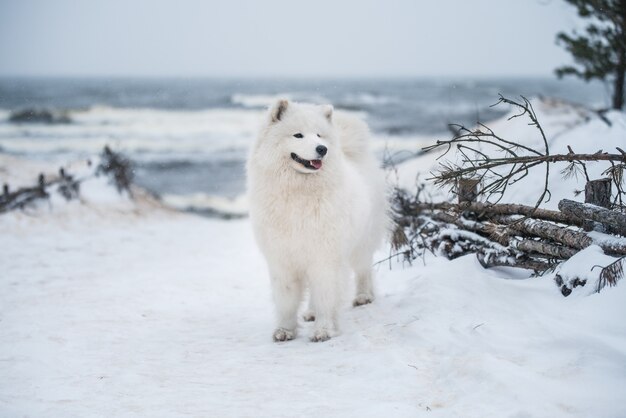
x: 600, y: 52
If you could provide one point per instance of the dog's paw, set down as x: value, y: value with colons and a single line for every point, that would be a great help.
x: 308, y: 316
x: 362, y: 299
x: 320, y: 335
x: 282, y: 334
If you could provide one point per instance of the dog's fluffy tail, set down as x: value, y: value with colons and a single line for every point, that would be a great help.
x: 354, y: 136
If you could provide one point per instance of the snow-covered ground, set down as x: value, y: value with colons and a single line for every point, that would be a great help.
x: 112, y: 308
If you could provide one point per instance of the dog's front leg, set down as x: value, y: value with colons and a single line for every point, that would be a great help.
x: 325, y: 289
x: 287, y: 294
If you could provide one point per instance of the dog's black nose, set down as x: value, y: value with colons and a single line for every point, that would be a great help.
x: 321, y: 150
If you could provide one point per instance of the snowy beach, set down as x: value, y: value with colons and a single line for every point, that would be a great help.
x: 119, y: 307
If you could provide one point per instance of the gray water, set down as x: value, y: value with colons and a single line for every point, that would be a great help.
x: 191, y: 136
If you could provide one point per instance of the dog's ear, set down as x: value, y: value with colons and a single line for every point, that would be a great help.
x: 327, y: 110
x: 278, y: 110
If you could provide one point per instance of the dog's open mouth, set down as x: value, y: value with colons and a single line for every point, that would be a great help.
x: 310, y: 164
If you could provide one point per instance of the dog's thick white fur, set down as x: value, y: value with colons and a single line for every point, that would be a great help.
x: 318, y: 208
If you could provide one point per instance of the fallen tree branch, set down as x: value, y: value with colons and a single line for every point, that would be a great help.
x: 112, y: 164
x: 616, y: 220
x: 609, y: 275
x: 493, y: 260
x: 501, y: 209
x: 491, y: 231
x: 444, y: 176
x: 476, y: 147
x: 566, y: 236
x: 544, y: 248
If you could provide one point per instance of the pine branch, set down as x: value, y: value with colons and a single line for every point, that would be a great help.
x: 112, y: 164
x: 611, y: 274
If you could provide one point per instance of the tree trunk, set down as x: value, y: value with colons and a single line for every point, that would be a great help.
x: 618, y: 91
x: 467, y: 190
x: 597, y: 192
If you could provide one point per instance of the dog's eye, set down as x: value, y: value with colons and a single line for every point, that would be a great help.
x: 319, y: 136
x: 298, y: 135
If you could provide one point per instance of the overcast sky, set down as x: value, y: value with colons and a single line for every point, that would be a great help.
x: 294, y: 38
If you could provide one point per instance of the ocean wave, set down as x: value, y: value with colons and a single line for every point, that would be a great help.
x: 458, y: 107
x: 354, y: 102
x: 175, y: 152
x: 258, y: 100
x: 264, y: 101
x: 208, y: 204
x: 183, y: 161
x: 366, y: 100
x: 165, y: 121
x: 137, y: 131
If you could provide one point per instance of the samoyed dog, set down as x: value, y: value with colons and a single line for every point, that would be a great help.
x: 318, y: 208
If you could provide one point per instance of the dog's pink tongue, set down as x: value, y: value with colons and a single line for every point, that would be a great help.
x: 317, y: 164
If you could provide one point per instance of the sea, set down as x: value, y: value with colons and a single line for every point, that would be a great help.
x: 188, y: 138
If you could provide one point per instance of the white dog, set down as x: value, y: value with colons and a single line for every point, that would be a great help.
x: 318, y: 208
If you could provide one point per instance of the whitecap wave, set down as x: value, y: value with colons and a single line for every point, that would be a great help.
x: 137, y: 131
x: 367, y: 99
x: 258, y: 100
x: 208, y: 204
x: 264, y: 101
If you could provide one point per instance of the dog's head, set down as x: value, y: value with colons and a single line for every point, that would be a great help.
x: 301, y: 135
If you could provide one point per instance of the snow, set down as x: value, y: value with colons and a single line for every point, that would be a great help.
x: 606, y: 239
x: 112, y: 307
x: 169, y: 315
x: 585, y: 266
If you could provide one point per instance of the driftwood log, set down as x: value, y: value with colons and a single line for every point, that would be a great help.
x: 542, y: 247
x: 615, y: 220
x: 490, y: 230
x: 547, y: 230
x: 483, y: 209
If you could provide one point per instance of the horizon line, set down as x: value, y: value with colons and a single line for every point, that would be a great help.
x: 282, y: 77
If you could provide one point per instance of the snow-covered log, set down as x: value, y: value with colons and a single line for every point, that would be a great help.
x: 490, y: 230
x: 484, y: 209
x: 616, y: 220
x: 488, y: 259
x: 546, y: 230
x: 545, y: 248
